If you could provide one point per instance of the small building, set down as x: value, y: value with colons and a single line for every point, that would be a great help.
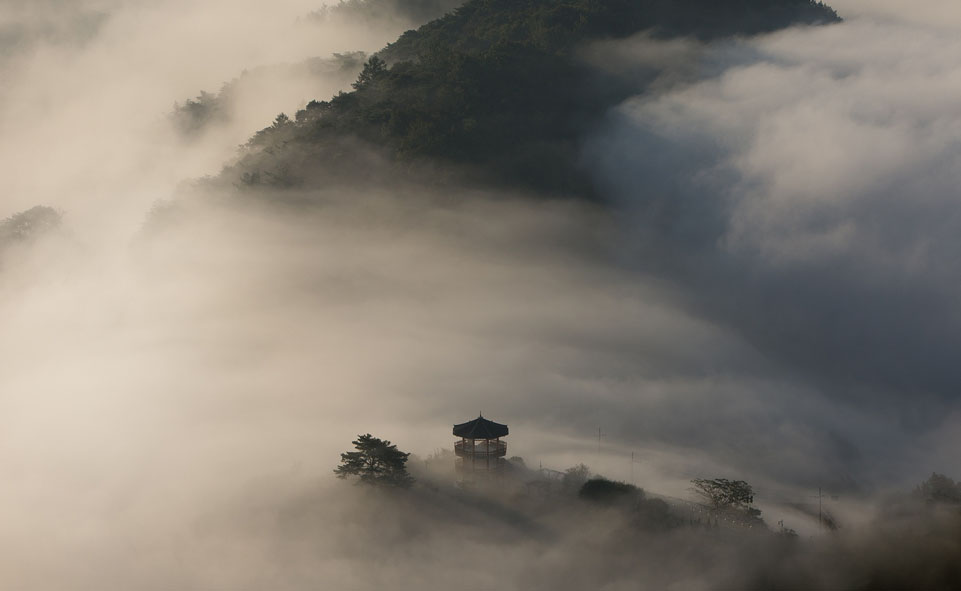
x: 480, y: 450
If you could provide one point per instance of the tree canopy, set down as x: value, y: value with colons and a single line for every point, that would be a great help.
x: 723, y: 494
x: 375, y: 462
x: 496, y: 86
x: 29, y: 224
x: 939, y: 488
x: 575, y: 477
x: 604, y: 491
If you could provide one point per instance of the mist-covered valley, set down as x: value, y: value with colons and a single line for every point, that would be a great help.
x: 668, y: 241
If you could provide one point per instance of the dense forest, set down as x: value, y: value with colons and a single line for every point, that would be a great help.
x: 27, y: 226
x: 715, y: 539
x: 495, y: 88
x: 193, y: 116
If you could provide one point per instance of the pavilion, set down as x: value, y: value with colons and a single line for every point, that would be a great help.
x: 480, y: 449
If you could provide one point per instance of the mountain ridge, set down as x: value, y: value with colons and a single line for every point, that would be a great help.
x: 494, y: 89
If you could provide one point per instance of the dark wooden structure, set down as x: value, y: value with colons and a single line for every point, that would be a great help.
x: 480, y: 449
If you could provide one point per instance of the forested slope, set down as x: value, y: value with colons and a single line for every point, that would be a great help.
x: 494, y: 88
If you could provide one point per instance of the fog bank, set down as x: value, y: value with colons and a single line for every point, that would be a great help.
x: 766, y: 295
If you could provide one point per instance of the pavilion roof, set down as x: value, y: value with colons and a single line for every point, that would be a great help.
x: 480, y: 428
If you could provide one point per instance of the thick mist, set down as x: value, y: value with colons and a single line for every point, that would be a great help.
x: 766, y: 295
x: 89, y: 88
x: 802, y: 186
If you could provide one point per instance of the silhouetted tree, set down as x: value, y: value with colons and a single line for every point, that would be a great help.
x: 723, y: 494
x: 194, y: 114
x: 938, y: 488
x: 373, y: 69
x: 575, y: 477
x: 376, y: 462
x: 29, y: 224
x: 602, y: 490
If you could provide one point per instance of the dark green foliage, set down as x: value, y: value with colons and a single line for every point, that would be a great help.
x: 376, y: 462
x: 495, y: 86
x: 654, y: 515
x: 938, y: 488
x: 609, y: 492
x: 575, y: 477
x: 210, y: 109
x: 29, y: 224
x: 723, y: 494
x: 374, y: 70
x: 281, y: 128
x: 641, y: 512
x: 557, y: 26
x: 195, y: 114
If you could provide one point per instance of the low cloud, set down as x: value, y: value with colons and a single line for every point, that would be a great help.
x: 805, y: 194
x: 769, y: 299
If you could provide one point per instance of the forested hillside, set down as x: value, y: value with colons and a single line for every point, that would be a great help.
x: 495, y: 87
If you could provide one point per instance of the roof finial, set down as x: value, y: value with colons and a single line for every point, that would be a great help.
x: 480, y: 414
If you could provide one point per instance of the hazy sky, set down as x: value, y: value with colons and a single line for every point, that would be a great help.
x: 771, y: 296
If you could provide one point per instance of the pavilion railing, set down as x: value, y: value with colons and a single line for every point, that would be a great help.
x: 481, y: 448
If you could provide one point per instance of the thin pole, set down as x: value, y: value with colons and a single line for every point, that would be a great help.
x: 820, y: 526
x: 632, y: 467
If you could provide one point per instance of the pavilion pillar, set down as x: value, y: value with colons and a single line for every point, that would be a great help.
x: 489, y: 434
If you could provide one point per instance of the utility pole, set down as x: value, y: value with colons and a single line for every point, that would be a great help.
x: 820, y: 527
x: 820, y: 497
x: 820, y: 519
x: 599, y: 435
x: 632, y: 467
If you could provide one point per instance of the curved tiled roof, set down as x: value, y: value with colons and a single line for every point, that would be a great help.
x: 480, y: 428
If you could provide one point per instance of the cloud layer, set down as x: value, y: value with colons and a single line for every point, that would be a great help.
x: 771, y: 298
x: 806, y: 192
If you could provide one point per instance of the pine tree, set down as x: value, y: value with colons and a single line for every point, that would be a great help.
x: 376, y: 462
x: 374, y: 68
